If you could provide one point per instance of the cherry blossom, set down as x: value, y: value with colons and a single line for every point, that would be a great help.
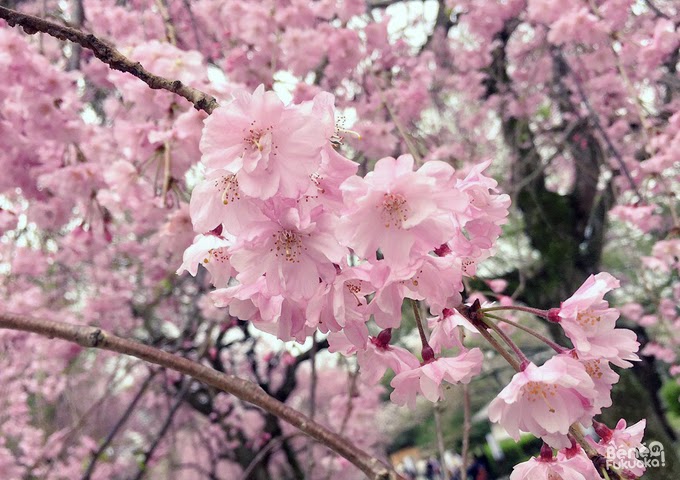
x: 589, y: 322
x: 427, y: 378
x: 545, y: 400
x: 271, y: 148
x: 399, y: 211
x: 622, y: 444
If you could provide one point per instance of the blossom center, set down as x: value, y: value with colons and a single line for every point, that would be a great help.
x: 340, y: 131
x: 587, y: 318
x: 316, y: 180
x: 229, y: 187
x: 467, y: 264
x: 355, y: 289
x: 217, y: 254
x: 288, y: 245
x: 593, y: 368
x: 259, y: 139
x: 394, y: 209
x: 536, y: 390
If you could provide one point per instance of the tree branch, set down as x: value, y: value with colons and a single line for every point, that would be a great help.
x: 109, y: 55
x: 93, y: 337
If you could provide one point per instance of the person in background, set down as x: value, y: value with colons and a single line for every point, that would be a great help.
x: 479, y: 470
x: 409, y: 468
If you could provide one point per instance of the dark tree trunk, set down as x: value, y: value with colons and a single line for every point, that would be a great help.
x: 568, y: 232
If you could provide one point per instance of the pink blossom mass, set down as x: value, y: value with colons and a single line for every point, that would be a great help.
x: 339, y: 239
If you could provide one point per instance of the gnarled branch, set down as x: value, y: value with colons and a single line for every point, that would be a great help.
x: 93, y: 337
x: 109, y: 55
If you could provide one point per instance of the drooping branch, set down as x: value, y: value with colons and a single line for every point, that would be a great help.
x: 109, y: 55
x: 93, y: 337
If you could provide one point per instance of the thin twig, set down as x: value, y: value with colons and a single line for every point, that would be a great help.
x: 194, y: 27
x: 498, y: 347
x: 440, y: 432
x: 264, y: 452
x: 419, y: 323
x: 467, y: 427
x: 109, y: 55
x: 93, y: 337
x: 555, y: 346
x: 312, y: 397
x: 77, y: 20
x: 170, y: 33
x: 508, y: 341
x: 166, y: 173
x: 119, y: 424
x: 179, y: 399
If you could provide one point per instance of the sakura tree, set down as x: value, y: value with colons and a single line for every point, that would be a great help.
x: 267, y: 206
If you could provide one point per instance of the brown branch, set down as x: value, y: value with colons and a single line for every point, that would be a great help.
x: 77, y: 21
x: 170, y: 33
x: 272, y: 445
x: 93, y: 337
x: 109, y: 55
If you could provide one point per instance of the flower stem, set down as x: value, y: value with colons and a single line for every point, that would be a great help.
x: 419, y: 323
x: 535, y: 311
x: 473, y: 316
x: 428, y: 354
x: 518, y: 351
x: 555, y: 346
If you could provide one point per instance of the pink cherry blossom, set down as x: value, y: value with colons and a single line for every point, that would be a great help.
x: 342, y: 305
x: 219, y: 200
x: 536, y: 469
x: 603, y: 378
x: 399, y: 211
x: 379, y: 356
x: 211, y: 251
x: 426, y: 379
x: 445, y: 330
x: 293, y: 247
x: 271, y: 148
x: 281, y: 316
x: 437, y: 280
x: 589, y: 322
x: 622, y: 445
x: 545, y: 400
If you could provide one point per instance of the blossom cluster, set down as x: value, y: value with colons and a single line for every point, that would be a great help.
x: 572, y: 387
x: 295, y: 240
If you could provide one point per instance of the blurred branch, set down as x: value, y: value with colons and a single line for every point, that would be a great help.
x: 562, y: 62
x: 179, y: 399
x: 268, y: 449
x: 313, y: 380
x: 170, y: 33
x: 93, y: 337
x: 467, y: 426
x: 109, y: 55
x: 194, y: 26
x: 656, y: 10
x: 119, y: 424
x: 77, y: 21
x: 437, y: 410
